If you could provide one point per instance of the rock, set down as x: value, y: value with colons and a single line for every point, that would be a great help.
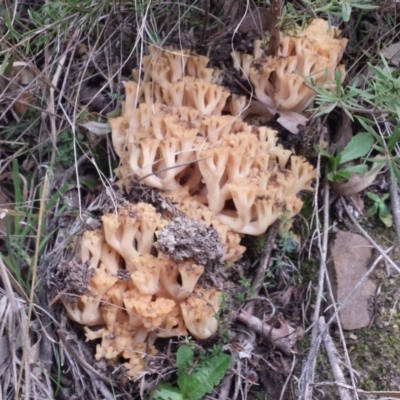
x: 350, y: 256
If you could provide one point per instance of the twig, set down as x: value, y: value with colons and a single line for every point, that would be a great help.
x: 206, y: 19
x: 394, y: 201
x: 307, y: 376
x: 274, y: 40
x: 288, y: 378
x: 369, y: 238
x: 264, y: 261
x: 334, y: 358
x: 283, y: 338
x: 75, y: 355
x: 225, y: 387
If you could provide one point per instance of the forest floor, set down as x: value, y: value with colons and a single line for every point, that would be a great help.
x: 62, y: 68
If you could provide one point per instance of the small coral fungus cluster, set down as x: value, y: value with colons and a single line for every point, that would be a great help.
x: 180, y: 133
x: 150, y: 297
x: 279, y: 82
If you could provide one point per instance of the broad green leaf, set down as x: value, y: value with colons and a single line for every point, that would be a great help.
x: 355, y: 169
x: 387, y: 220
x: 184, y: 358
x: 383, y: 210
x: 331, y: 176
x: 372, y: 210
x: 342, y: 175
x: 205, y: 377
x: 358, y: 146
x: 374, y: 197
x: 167, y: 392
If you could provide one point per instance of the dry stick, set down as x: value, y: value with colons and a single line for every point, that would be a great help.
x: 334, y: 359
x: 288, y: 378
x: 307, y: 376
x: 264, y: 261
x: 206, y: 20
x: 274, y: 40
x: 369, y: 238
x: 257, y: 284
x: 226, y: 387
x: 394, y: 200
x: 76, y: 356
x: 283, y: 338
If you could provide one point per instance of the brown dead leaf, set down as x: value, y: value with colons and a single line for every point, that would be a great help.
x: 344, y: 134
x: 290, y: 120
x: 392, y: 53
x: 358, y: 202
x: 357, y: 183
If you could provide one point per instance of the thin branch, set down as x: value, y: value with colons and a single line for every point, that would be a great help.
x: 369, y: 238
x: 273, y: 20
x: 394, y: 201
x: 334, y: 360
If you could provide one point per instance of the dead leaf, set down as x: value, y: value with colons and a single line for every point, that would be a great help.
x: 357, y: 183
x: 98, y: 128
x: 344, y: 135
x: 22, y: 78
x: 358, y: 202
x: 392, y: 53
x: 290, y: 120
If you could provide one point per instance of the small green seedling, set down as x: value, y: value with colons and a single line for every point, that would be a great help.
x: 379, y: 207
x: 359, y: 146
x: 195, y: 380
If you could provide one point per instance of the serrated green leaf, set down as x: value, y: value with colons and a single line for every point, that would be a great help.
x: 358, y: 146
x: 205, y: 377
x: 167, y: 392
x: 184, y: 358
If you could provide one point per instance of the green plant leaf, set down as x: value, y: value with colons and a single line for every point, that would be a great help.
x: 165, y: 391
x: 356, y: 169
x: 346, y: 11
x: 205, y: 377
x: 184, y: 358
x: 372, y: 210
x: 394, y: 138
x: 358, y: 146
x: 387, y: 220
x: 374, y: 197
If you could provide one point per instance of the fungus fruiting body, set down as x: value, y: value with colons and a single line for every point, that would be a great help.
x: 225, y: 174
x: 312, y: 54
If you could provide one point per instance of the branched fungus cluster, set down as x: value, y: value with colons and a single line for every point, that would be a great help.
x: 179, y: 132
x: 311, y: 54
